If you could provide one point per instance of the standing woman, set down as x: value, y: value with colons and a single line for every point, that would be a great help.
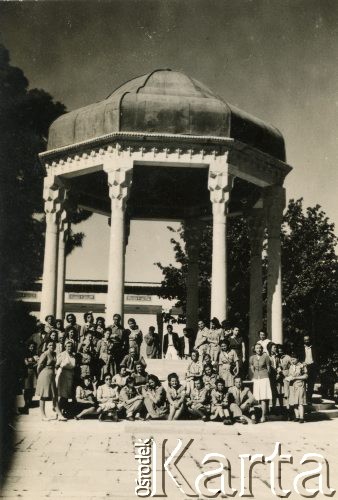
x: 65, y: 377
x: 237, y: 344
x: 31, y: 361
x: 49, y: 323
x: 297, y: 393
x: 135, y: 336
x: 214, y: 338
x: 228, y: 364
x: 45, y: 386
x: 260, y: 367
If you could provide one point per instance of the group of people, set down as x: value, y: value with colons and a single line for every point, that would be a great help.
x: 94, y: 369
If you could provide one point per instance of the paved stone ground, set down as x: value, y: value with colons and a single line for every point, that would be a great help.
x: 94, y: 460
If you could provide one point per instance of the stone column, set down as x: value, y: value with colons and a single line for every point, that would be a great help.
x: 274, y: 202
x: 219, y: 184
x: 54, y: 197
x: 193, y: 229
x: 60, y: 288
x: 256, y: 225
x: 119, y: 180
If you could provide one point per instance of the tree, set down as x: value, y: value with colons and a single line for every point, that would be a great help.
x: 309, y: 271
x: 25, y: 117
x: 173, y: 285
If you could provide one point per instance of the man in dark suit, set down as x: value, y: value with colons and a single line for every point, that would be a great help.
x: 308, y: 356
x: 171, y: 344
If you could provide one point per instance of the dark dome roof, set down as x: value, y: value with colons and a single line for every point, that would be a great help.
x: 165, y: 101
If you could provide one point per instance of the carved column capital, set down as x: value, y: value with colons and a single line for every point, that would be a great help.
x: 54, y: 196
x: 119, y: 181
x: 220, y: 183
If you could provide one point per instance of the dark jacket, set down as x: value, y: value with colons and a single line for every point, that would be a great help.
x: 301, y: 354
x: 176, y: 342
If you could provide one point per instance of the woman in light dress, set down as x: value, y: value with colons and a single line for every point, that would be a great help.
x: 45, y: 386
x: 65, y: 364
x: 297, y: 391
x: 260, y: 366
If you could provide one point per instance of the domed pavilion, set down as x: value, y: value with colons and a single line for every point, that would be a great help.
x: 164, y: 146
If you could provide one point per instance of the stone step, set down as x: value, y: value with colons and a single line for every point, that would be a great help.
x: 162, y: 367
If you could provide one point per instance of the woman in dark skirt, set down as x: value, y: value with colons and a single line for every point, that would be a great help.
x: 45, y: 386
x: 31, y: 360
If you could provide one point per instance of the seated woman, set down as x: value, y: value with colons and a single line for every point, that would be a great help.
x: 297, y: 392
x: 241, y: 402
x: 131, y: 359
x: 108, y: 398
x: 176, y: 397
x: 86, y: 401
x: 194, y: 370
x: 120, y: 379
x: 155, y: 399
x: 209, y: 377
x: 131, y: 400
x: 140, y: 376
x: 219, y: 403
x: 197, y: 401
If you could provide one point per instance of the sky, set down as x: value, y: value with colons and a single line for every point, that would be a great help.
x: 276, y: 59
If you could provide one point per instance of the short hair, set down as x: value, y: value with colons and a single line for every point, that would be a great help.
x: 129, y: 380
x: 226, y: 342
x: 132, y: 319
x: 70, y: 315
x: 169, y: 326
x: 152, y: 328
x: 68, y: 342
x: 220, y: 381
x: 100, y: 318
x: 196, y: 352
x: 238, y: 377
x: 208, y: 365
x: 116, y: 315
x: 49, y: 316
x: 200, y: 379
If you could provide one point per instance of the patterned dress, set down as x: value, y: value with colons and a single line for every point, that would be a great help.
x: 227, y: 361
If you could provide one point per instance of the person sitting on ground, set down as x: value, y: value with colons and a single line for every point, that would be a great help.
x: 197, y: 400
x: 108, y: 399
x: 120, y: 379
x: 176, y: 397
x: 152, y: 341
x: 131, y: 359
x: 155, y: 399
x: 194, y: 370
x: 86, y: 402
x: 131, y: 400
x: 241, y: 402
x: 297, y: 391
x: 219, y: 403
x: 209, y: 377
x: 140, y: 376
